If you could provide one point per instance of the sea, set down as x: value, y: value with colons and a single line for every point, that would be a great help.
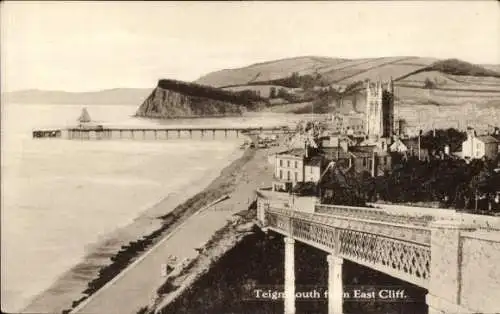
x: 59, y: 196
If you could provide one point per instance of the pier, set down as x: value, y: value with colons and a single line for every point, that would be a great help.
x: 108, y: 133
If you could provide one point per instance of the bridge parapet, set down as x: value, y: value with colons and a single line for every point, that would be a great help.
x: 452, y: 255
x: 455, y: 261
x: 401, y: 251
x: 374, y: 214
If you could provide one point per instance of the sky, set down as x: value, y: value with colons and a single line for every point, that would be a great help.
x: 85, y: 46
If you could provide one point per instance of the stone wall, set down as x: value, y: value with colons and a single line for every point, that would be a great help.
x: 480, y: 269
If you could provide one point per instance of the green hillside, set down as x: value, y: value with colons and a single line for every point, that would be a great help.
x: 325, y: 81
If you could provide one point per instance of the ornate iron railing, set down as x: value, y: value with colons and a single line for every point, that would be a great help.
x: 402, y: 251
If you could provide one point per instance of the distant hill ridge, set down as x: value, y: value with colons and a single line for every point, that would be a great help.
x: 417, y: 81
x: 300, y: 79
x: 340, y: 70
x: 115, y: 96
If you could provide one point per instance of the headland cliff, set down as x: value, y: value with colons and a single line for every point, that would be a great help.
x: 177, y: 99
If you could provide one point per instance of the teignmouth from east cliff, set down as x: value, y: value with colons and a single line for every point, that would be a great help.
x: 250, y: 157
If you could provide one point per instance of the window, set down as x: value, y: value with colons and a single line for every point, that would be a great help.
x: 288, y: 163
x: 310, y: 169
x: 281, y: 162
x: 281, y: 174
x: 296, y: 164
x: 296, y: 176
x: 288, y: 175
x: 364, y: 161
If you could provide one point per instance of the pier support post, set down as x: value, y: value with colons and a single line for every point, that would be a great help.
x: 156, y: 134
x: 213, y: 133
x: 178, y: 133
x: 225, y: 133
x: 143, y: 134
x: 289, y: 275
x: 190, y: 133
x: 335, y: 284
x: 166, y: 134
x: 202, y: 133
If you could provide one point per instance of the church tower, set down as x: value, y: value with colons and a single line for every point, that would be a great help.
x: 380, y: 109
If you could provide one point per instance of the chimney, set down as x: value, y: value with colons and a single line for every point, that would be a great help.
x: 344, y: 145
x: 471, y: 133
x: 373, y: 164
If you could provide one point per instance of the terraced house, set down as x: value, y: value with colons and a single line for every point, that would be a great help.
x: 296, y: 165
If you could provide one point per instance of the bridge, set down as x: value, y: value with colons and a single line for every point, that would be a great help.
x: 163, y: 133
x: 453, y: 256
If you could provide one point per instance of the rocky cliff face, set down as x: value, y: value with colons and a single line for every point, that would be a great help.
x: 165, y: 103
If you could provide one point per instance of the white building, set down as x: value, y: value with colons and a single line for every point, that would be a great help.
x: 289, y: 166
x: 295, y: 166
x: 476, y: 147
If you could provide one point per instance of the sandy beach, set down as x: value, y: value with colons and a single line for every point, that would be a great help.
x: 153, y: 223
x: 188, y: 243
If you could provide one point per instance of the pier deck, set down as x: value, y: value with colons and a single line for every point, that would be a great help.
x: 100, y: 132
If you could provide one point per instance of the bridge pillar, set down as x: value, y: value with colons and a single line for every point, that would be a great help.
x: 335, y: 284
x: 289, y: 276
x: 444, y: 294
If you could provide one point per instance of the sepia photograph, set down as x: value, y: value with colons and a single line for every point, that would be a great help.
x: 250, y: 157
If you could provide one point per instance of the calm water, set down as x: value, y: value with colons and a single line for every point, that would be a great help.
x: 59, y: 196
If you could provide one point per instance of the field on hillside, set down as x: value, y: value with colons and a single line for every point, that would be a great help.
x: 289, y: 108
x: 343, y: 73
x: 264, y: 90
x: 494, y: 67
x: 335, y: 70
x: 410, y: 94
x: 384, y: 73
x: 267, y: 71
x: 448, y: 81
x: 426, y: 117
x: 455, y: 83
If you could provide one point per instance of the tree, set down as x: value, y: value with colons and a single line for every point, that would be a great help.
x: 429, y: 84
x: 282, y: 93
x: 272, y: 92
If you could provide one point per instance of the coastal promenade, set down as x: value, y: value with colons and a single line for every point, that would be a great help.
x: 136, y: 286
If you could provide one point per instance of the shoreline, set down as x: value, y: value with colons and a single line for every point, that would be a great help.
x: 239, y: 181
x: 71, y: 283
